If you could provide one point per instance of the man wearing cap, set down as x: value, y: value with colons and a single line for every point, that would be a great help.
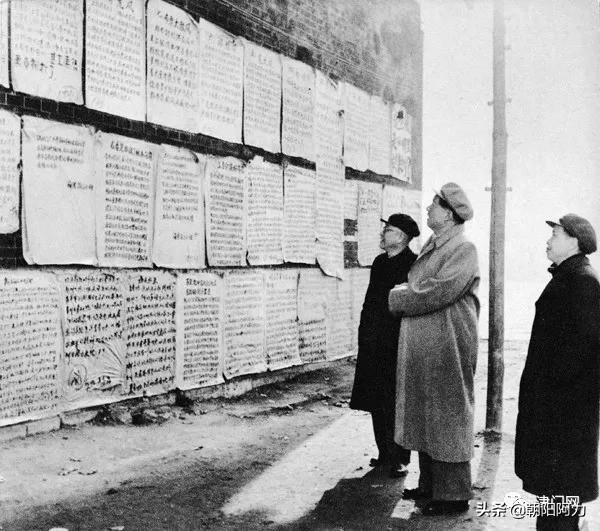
x: 375, y: 379
x: 556, y: 446
x: 437, y: 355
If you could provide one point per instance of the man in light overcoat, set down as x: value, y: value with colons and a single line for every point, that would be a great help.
x: 437, y: 355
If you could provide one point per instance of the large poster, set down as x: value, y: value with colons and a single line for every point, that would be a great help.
x: 150, y: 332
x: 329, y: 132
x: 380, y: 141
x: 313, y: 291
x: 58, y: 193
x: 393, y: 201
x: 412, y: 206
x: 244, y: 324
x: 369, y: 222
x: 179, y: 220
x: 4, y: 43
x: 10, y: 158
x: 298, y: 110
x: 125, y: 179
x: 115, y: 57
x: 172, y: 44
x: 221, y: 83
x: 262, y: 97
x: 226, y: 197
x: 93, y: 322
x: 401, y: 143
x: 265, y: 212
x: 350, y: 223
x: 340, y: 320
x: 299, y: 213
x: 199, y: 307
x: 30, y: 346
x: 356, y: 127
x: 46, y: 42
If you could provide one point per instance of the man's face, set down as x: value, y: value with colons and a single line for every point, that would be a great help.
x: 560, y: 245
x: 436, y: 214
x: 391, y: 237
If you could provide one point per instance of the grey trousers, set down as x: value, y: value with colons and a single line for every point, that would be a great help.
x: 446, y: 481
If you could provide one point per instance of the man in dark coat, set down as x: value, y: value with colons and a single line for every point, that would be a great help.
x: 375, y: 379
x: 556, y: 447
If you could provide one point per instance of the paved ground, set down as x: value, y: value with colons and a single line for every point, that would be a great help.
x: 289, y: 456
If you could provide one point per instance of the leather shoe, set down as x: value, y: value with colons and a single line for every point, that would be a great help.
x: 445, y: 507
x: 380, y: 461
x: 398, y: 471
x: 416, y: 494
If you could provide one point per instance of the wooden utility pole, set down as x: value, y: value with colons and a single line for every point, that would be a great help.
x: 493, y: 421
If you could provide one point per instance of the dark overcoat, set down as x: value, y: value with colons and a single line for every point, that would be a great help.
x: 556, y: 450
x: 375, y: 378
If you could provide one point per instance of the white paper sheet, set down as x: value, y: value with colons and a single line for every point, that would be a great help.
x: 221, y: 83
x: 380, y: 136
x: 226, y: 205
x: 330, y: 216
x: 313, y: 341
x: 262, y: 97
x: 47, y: 48
x: 356, y: 127
x: 401, y: 143
x: 413, y: 207
x: 172, y: 45
x: 297, y: 128
x: 93, y: 324
x: 313, y: 288
x: 340, y: 323
x: 179, y: 219
x: 115, y: 57
x: 329, y: 125
x: 244, y: 325
x: 299, y: 213
x: 31, y: 349
x: 4, y: 80
x: 265, y: 213
x: 369, y: 222
x: 125, y: 180
x: 392, y: 201
x: 281, y: 324
x: 199, y: 309
x: 350, y: 223
x: 150, y: 332
x: 10, y: 158
x: 58, y: 193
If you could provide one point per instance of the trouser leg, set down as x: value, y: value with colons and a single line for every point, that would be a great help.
x: 380, y: 433
x: 446, y: 481
x: 399, y: 455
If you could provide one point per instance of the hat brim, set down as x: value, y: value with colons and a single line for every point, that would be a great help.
x: 553, y: 223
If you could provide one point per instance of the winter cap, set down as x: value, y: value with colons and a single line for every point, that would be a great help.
x: 579, y: 228
x: 456, y: 198
x: 405, y: 223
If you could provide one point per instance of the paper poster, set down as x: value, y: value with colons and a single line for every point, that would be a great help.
x: 125, y: 180
x: 313, y: 341
x: 31, y: 349
x: 47, y: 48
x: 221, y: 83
x: 4, y: 81
x: 380, y: 139
x: 356, y: 127
x: 329, y: 132
x: 226, y: 205
x: 244, y: 325
x: 172, y: 44
x: 350, y: 223
x: 93, y: 321
x: 412, y: 207
x: 299, y: 213
x: 58, y: 193
x: 401, y: 143
x: 392, y: 201
x: 360, y: 283
x: 297, y: 128
x: 265, y: 213
x: 10, y: 158
x: 369, y: 222
x: 179, y: 219
x: 313, y: 288
x: 115, y: 57
x: 199, y: 360
x: 281, y: 324
x: 330, y: 216
x: 262, y: 97
x: 340, y: 320
x: 150, y: 332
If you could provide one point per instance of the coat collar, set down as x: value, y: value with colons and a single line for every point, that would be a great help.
x: 437, y: 241
x: 570, y: 264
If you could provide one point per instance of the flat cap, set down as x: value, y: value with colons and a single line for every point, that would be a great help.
x: 455, y: 196
x: 579, y: 228
x: 405, y: 223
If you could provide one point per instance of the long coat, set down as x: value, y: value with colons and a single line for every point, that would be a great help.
x: 437, y: 351
x: 375, y: 377
x: 556, y: 450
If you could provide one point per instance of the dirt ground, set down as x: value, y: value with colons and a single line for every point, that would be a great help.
x: 287, y: 456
